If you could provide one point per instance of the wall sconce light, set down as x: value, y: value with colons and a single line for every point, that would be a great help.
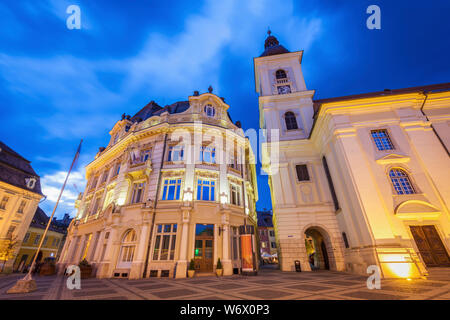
x: 188, y: 195
x: 223, y: 198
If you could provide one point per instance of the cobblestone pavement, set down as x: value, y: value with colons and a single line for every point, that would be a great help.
x: 269, y: 284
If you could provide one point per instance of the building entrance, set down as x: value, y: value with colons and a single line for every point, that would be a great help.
x: 204, y: 247
x: 430, y: 246
x: 316, y: 250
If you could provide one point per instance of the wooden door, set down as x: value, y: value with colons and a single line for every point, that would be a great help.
x: 203, y: 255
x: 430, y: 246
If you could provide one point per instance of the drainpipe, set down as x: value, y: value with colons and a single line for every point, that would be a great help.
x: 434, y: 130
x: 154, y: 208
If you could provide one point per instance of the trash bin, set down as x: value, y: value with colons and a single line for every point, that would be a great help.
x: 297, y: 266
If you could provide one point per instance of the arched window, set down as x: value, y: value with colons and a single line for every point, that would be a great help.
x: 127, y: 249
x: 401, y: 182
x: 210, y: 111
x: 280, y: 74
x: 291, y: 122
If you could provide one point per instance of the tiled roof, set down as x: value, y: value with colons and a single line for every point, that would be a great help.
x: 40, y: 220
x: 14, y: 169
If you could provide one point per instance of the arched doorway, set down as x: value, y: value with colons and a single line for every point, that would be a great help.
x: 317, y: 249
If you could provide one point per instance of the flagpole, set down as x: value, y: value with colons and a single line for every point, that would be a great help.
x: 28, y: 276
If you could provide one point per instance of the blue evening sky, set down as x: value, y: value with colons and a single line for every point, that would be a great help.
x: 58, y: 86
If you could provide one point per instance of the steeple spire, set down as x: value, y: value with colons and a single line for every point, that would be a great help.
x: 272, y: 46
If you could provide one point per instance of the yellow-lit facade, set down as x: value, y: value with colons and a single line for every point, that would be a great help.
x: 148, y: 194
x: 363, y: 178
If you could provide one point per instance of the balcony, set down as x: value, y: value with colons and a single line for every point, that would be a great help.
x: 138, y: 168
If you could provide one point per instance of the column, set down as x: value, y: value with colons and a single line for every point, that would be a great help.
x: 226, y: 262
x: 182, y: 263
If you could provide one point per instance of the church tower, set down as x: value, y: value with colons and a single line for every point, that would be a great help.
x: 284, y: 103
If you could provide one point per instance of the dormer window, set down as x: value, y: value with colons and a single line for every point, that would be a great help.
x: 210, y: 111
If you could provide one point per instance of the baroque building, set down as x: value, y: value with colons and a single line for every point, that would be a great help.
x: 20, y: 193
x: 175, y: 183
x: 355, y: 180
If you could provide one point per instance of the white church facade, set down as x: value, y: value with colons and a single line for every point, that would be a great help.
x: 356, y: 180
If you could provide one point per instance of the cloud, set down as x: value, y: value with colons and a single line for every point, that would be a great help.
x: 51, y: 187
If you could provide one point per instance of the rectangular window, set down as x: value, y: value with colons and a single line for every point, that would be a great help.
x: 145, y: 155
x: 96, y: 205
x: 10, y: 231
x: 272, y: 233
x: 234, y: 243
x: 208, y: 154
x: 344, y: 236
x: 117, y: 170
x: 273, y: 244
x: 94, y: 183
x: 105, y: 176
x: 138, y: 191
x: 108, y: 198
x: 36, y: 240
x: 382, y: 140
x: 206, y: 189
x: 26, y: 238
x: 330, y: 183
x: 302, y: 172
x: 56, y: 242
x: 22, y: 205
x: 235, y: 194
x: 4, y: 202
x: 165, y: 241
x: 176, y: 153
x: 45, y: 241
x: 171, y: 189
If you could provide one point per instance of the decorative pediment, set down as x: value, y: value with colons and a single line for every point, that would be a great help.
x: 417, y: 209
x: 393, y: 158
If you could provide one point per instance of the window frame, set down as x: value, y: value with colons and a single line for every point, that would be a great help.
x: 406, y: 176
x: 292, y: 120
x: 305, y: 165
x: 202, y: 184
x: 238, y: 192
x: 160, y: 235
x: 165, y: 192
x: 380, y: 140
x: 137, y: 192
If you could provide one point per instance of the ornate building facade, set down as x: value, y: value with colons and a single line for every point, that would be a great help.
x: 357, y: 180
x: 20, y: 193
x: 173, y: 184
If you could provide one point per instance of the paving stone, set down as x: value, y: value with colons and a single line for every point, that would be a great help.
x: 154, y: 286
x: 343, y: 283
x: 371, y: 295
x: 80, y: 293
x: 173, y: 293
x: 226, y: 286
x: 310, y: 287
x: 265, y: 294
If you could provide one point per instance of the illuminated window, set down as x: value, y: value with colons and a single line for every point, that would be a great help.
x: 291, y: 122
x: 401, y: 182
x: 209, y: 110
x: 127, y: 248
x: 4, y: 202
x: 235, y: 194
x: 206, y: 189
x: 171, y: 189
x: 145, y: 155
x: 108, y: 198
x: 208, y: 154
x: 165, y: 241
x: 176, y: 153
x: 22, y: 205
x: 138, y: 191
x: 382, y: 140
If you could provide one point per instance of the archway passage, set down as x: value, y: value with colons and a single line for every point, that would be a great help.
x: 316, y: 249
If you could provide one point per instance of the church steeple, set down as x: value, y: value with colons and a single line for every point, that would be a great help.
x: 272, y: 46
